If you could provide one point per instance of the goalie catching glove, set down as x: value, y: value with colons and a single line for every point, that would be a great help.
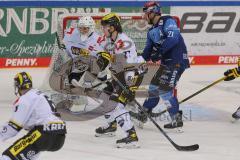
x: 104, y: 58
x: 231, y: 74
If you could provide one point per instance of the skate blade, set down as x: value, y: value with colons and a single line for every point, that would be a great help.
x: 132, y: 145
x: 111, y: 134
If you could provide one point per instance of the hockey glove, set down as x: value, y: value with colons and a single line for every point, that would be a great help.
x: 128, y: 96
x: 155, y: 55
x: 104, y: 58
x: 231, y: 74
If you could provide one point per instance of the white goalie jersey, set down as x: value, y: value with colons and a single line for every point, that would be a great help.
x: 72, y: 39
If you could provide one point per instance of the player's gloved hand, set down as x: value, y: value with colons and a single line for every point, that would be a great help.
x: 128, y: 96
x: 104, y: 58
x: 232, y: 74
x: 155, y: 55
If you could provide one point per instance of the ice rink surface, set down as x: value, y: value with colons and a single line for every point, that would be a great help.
x: 207, y: 122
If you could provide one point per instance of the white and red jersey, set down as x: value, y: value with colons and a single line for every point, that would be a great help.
x: 30, y: 110
x: 123, y: 47
x: 72, y: 39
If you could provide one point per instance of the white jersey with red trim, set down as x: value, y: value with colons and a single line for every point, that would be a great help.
x: 72, y: 39
x: 123, y: 50
x: 30, y: 110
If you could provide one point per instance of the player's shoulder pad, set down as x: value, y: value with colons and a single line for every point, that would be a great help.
x: 28, y: 98
x: 124, y: 38
x: 71, y: 34
x: 167, y: 21
x: 124, y: 42
x: 70, y: 31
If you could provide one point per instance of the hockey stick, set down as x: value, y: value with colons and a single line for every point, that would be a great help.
x: 178, y: 147
x: 189, y: 97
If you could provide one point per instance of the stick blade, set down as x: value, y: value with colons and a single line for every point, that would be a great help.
x: 188, y: 148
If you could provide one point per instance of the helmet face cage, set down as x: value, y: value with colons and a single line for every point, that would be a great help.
x: 113, y: 20
x: 22, y: 81
x: 88, y: 22
x: 152, y: 7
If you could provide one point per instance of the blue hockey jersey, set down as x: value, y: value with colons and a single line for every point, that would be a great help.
x: 165, y: 43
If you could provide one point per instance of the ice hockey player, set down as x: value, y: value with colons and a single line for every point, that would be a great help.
x: 165, y: 43
x: 34, y: 112
x: 81, y: 42
x: 231, y: 75
x: 121, y: 54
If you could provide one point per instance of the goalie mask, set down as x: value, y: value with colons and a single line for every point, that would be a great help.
x: 86, y: 26
x: 22, y: 81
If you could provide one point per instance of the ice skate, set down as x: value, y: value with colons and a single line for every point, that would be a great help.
x: 176, y: 123
x: 106, y: 131
x: 131, y: 141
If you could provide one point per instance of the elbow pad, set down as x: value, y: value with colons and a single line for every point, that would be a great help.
x: 9, y: 130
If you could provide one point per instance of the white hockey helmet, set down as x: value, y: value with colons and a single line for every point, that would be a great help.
x: 87, y: 21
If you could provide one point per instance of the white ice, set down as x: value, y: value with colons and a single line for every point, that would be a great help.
x: 210, y: 125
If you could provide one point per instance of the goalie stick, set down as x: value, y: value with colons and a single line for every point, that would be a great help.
x: 178, y: 147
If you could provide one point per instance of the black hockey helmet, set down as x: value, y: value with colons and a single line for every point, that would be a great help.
x: 22, y: 81
x: 113, y: 20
